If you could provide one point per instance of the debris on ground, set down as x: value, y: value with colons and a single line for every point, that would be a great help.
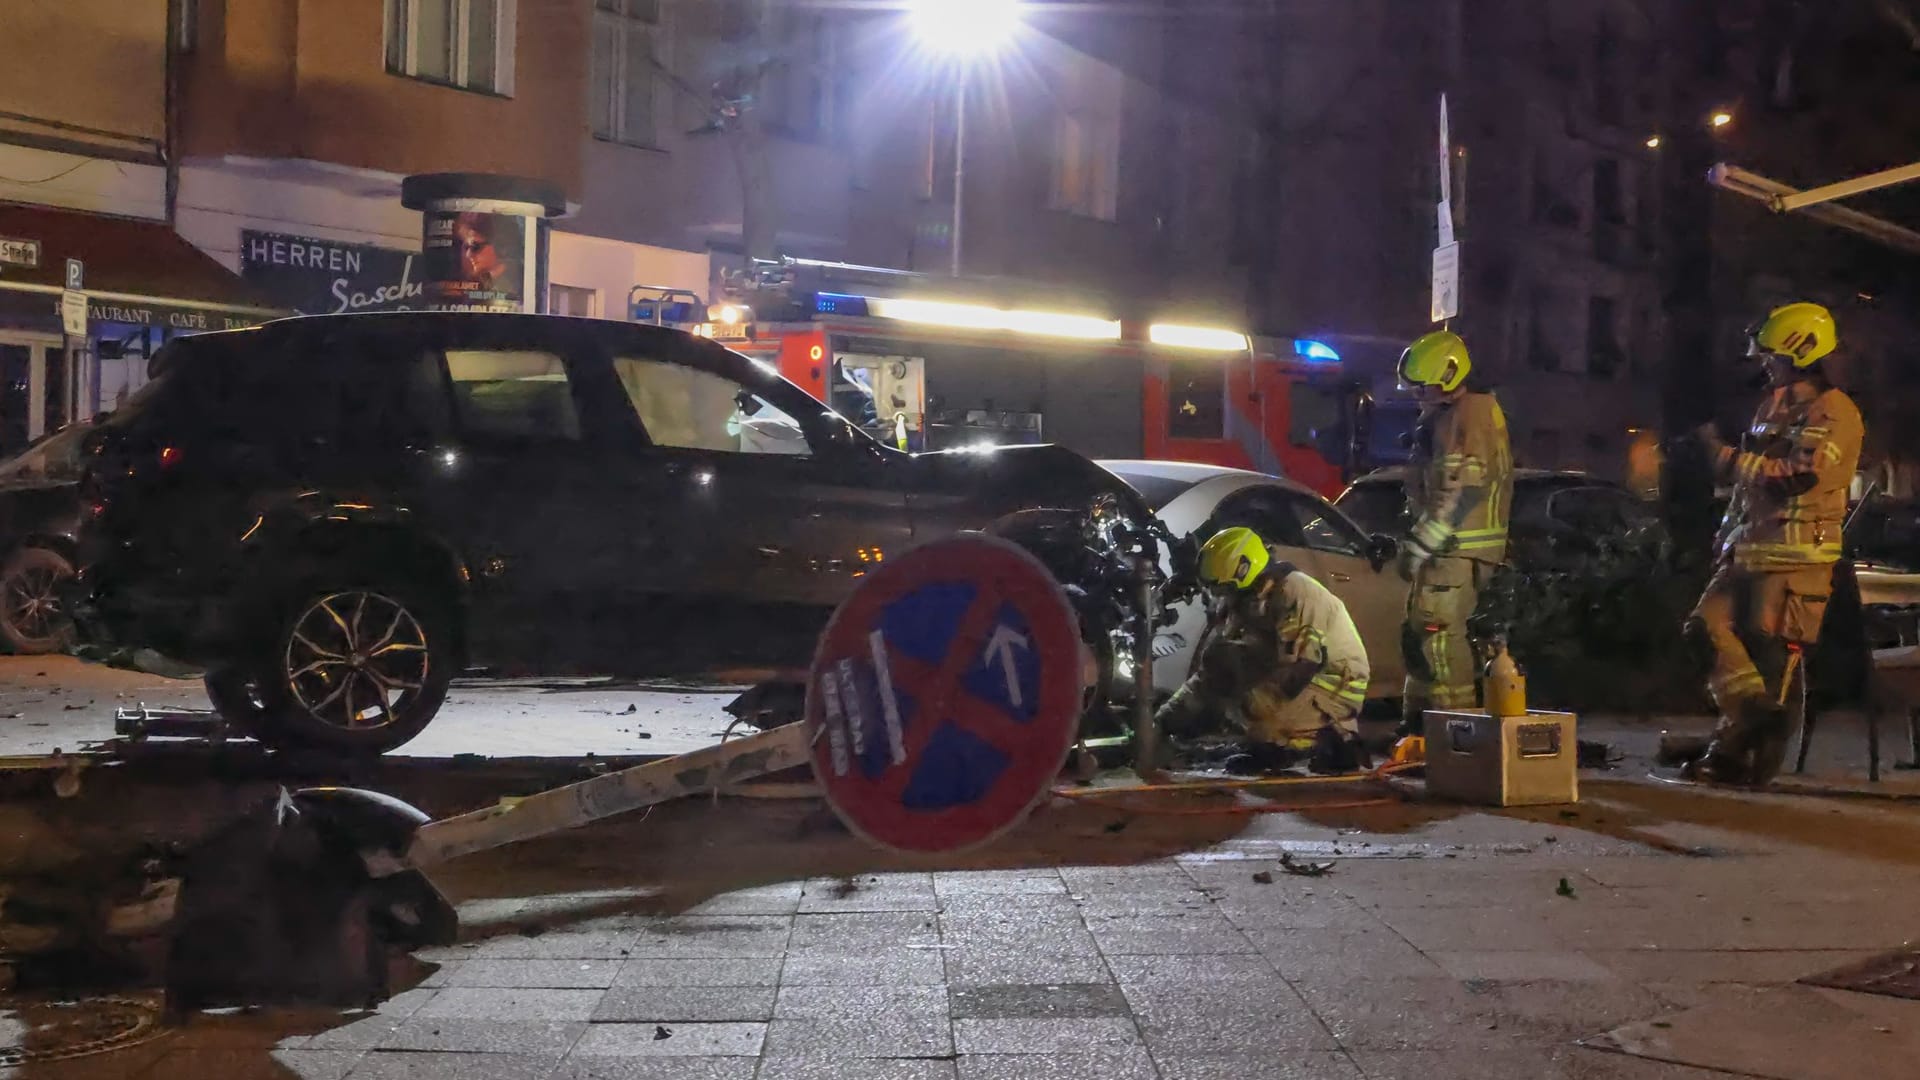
x: 1114, y: 826
x: 1565, y: 889
x: 1593, y: 754
x: 844, y: 888
x: 1303, y: 869
x: 660, y: 1033
x: 1263, y: 877
x: 630, y: 710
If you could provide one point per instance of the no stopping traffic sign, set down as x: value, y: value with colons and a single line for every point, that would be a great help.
x: 945, y: 694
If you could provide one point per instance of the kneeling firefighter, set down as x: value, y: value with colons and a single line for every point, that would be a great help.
x: 1779, y: 544
x: 1282, y: 658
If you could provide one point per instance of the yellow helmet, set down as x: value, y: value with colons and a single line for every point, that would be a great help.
x: 1437, y: 359
x: 1235, y: 556
x: 1802, y: 333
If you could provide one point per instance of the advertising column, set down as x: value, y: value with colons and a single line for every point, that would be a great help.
x: 484, y: 239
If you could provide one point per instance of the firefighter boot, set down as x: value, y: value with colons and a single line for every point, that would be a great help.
x: 1336, y: 752
x: 1261, y: 759
x: 1773, y: 730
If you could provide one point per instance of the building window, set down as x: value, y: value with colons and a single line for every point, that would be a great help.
x: 799, y: 85
x: 573, y: 300
x: 1086, y: 140
x: 1603, y: 338
x: 626, y: 40
x: 1607, y: 204
x: 1543, y: 447
x: 462, y: 43
x: 1541, y: 354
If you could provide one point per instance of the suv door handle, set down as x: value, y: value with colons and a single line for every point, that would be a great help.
x: 1339, y: 576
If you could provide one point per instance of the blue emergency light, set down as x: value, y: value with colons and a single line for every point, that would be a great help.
x: 828, y: 303
x: 1317, y: 352
x: 667, y: 312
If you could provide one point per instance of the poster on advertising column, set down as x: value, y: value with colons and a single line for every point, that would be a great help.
x: 475, y: 260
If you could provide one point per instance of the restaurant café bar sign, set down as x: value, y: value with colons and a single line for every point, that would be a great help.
x: 325, y: 277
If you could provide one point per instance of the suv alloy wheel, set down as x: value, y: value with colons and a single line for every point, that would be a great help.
x: 356, y: 669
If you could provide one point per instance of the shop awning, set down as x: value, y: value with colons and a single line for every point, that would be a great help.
x: 137, y: 273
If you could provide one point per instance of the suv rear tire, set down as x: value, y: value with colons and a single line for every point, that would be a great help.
x: 31, y: 622
x: 355, y: 668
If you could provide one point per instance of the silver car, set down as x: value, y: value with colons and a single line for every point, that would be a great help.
x: 1200, y: 500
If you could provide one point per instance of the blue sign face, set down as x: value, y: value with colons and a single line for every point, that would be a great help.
x: 945, y: 694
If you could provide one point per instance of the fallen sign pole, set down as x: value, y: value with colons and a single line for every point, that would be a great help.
x: 942, y: 703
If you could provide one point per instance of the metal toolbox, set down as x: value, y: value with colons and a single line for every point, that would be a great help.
x: 1529, y: 760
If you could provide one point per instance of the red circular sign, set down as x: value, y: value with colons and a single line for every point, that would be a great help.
x: 945, y: 695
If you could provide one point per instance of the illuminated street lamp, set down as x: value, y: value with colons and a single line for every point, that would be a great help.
x: 1653, y: 142
x: 964, y: 32
x: 1721, y: 118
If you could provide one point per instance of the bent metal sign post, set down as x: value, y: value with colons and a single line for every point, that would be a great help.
x: 324, y: 277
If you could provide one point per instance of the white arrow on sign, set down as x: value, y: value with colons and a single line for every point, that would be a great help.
x: 1001, y: 645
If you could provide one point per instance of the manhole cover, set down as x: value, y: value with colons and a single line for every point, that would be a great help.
x: 1894, y: 974
x: 58, y: 1030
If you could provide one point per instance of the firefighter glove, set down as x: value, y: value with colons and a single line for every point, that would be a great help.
x: 1296, y: 676
x: 1413, y: 555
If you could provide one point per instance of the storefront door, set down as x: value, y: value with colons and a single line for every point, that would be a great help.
x: 34, y: 395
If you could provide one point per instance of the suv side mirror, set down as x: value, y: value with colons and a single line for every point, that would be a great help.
x: 1381, y: 550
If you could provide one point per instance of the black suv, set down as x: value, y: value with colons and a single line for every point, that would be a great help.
x: 333, y: 515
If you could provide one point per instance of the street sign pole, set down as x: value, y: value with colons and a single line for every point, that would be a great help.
x: 1445, y: 303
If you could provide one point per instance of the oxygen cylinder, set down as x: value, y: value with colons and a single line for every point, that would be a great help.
x: 1506, y: 685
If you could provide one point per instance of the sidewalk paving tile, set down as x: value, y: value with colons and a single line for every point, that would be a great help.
x: 1118, y: 1063
x: 870, y: 967
x: 488, y: 1003
x: 966, y: 883
x: 1013, y: 965
x: 907, y: 1035
x: 585, y: 1067
x: 1400, y: 1013
x: 556, y: 945
x: 1224, y: 969
x: 466, y: 1035
x: 855, y: 1002
x: 780, y: 899
x: 1478, y: 929
x: 828, y: 1068
x: 1287, y: 1065
x: 1519, y: 1063
x: 1044, y: 1001
x: 1168, y: 935
x: 1721, y: 965
x: 1520, y: 966
x: 671, y: 1040
x: 391, y: 1065
x: 685, y: 1004
x: 705, y: 971
x: 533, y: 974
x: 869, y: 892
x: 1194, y: 1020
x: 1312, y: 953
x: 718, y: 936
x: 1561, y: 1012
x: 1041, y: 1036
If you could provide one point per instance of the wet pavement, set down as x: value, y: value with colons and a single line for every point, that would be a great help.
x: 754, y: 938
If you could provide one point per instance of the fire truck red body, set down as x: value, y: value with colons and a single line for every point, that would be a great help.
x: 933, y: 374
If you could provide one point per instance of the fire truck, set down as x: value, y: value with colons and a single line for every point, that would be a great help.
x: 933, y: 363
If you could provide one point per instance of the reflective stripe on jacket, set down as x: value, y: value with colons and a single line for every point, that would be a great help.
x: 1791, y: 478
x: 1460, y: 481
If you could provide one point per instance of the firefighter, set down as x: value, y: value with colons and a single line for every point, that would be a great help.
x: 1281, y: 657
x: 1779, y: 543
x: 1459, y: 485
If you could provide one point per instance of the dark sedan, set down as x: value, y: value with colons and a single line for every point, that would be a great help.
x: 40, y: 515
